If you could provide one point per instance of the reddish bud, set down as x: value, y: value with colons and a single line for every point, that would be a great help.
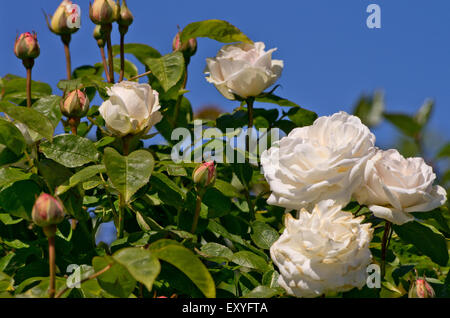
x: 188, y: 48
x: 27, y: 46
x: 205, y: 174
x: 421, y: 289
x: 66, y: 19
x: 47, y: 211
x: 75, y: 104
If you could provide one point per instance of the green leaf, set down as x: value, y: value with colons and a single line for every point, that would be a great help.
x: 30, y: 117
x: 128, y: 173
x: 226, y: 188
x: 49, y: 107
x: 301, y: 117
x: 10, y: 175
x: 218, y: 30
x: 15, y: 89
x: 189, y: 264
x: 142, y: 264
x: 370, y: 109
x: 263, y: 292
x: 250, y: 260
x: 168, y: 69
x: 425, y: 240
x: 274, y: 99
x: 168, y: 191
x: 404, y: 123
x: 70, y: 150
x: 11, y: 137
x: 8, y: 220
x: 263, y: 235
x: 80, y: 176
x: 216, y: 250
x: 444, y: 152
x: 18, y: 199
x: 117, y: 280
x: 142, y: 52
x: 218, y: 204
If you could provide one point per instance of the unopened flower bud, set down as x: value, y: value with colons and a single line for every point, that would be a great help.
x: 205, y: 174
x: 421, y: 289
x: 125, y: 17
x: 27, y: 46
x: 104, y: 11
x: 99, y: 36
x: 75, y: 104
x: 47, y: 211
x: 188, y: 49
x: 66, y: 19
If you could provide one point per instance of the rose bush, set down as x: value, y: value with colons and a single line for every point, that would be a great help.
x: 221, y: 228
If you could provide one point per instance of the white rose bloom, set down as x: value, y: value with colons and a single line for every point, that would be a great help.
x: 323, y: 251
x: 319, y: 162
x: 243, y: 69
x: 132, y: 108
x: 394, y: 186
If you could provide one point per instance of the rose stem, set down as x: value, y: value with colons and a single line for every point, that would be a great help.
x: 110, y: 54
x: 384, y: 246
x: 180, y: 98
x: 93, y: 276
x: 105, y: 64
x: 122, y: 56
x: 66, y: 41
x: 73, y: 123
x: 121, y: 220
x: 51, y: 259
x: 250, y: 102
x: 198, y: 206
x: 139, y: 76
x: 29, y: 85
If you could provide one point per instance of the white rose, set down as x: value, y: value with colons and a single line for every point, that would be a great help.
x: 243, y: 69
x: 319, y: 162
x: 132, y: 108
x: 323, y: 251
x: 394, y: 186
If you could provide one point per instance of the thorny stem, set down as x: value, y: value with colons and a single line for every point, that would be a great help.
x: 105, y: 64
x: 29, y: 86
x: 93, y: 276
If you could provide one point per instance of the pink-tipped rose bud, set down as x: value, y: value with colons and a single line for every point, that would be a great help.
x: 421, y: 289
x: 205, y: 174
x: 66, y: 19
x: 125, y: 17
x: 47, y: 211
x: 75, y: 104
x: 27, y: 46
x: 104, y: 11
x: 188, y: 49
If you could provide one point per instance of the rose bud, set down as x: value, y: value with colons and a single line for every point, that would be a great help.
x: 421, y: 289
x: 65, y: 20
x: 188, y: 49
x: 99, y: 35
x: 75, y: 104
x: 27, y: 46
x: 205, y: 174
x: 104, y: 11
x: 47, y: 211
x: 125, y: 18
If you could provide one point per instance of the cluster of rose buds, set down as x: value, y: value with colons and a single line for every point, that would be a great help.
x: 47, y: 213
x: 420, y: 288
x: 104, y: 11
x: 205, y: 175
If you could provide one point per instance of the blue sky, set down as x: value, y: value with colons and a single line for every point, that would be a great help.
x: 330, y: 55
